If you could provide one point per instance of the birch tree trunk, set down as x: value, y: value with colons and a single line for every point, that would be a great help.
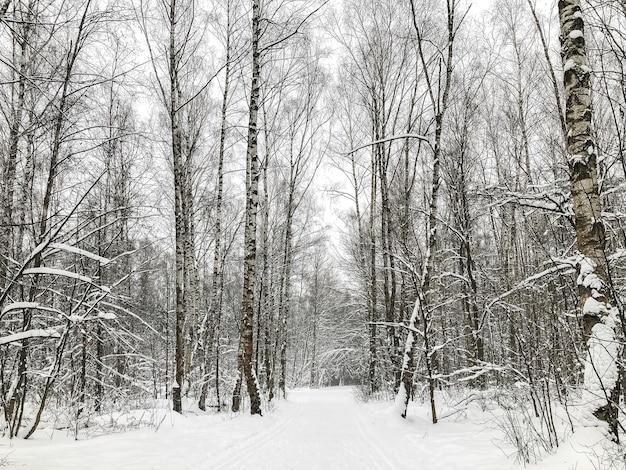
x: 285, y: 297
x: 15, y: 129
x: 252, y: 205
x: 439, y: 103
x: 601, y: 321
x: 191, y: 279
x: 315, y: 295
x: 212, y: 323
x: 373, y: 288
x: 179, y: 198
x: 267, y: 301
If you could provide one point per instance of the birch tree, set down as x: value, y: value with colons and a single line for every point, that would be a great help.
x: 438, y: 89
x: 601, y: 320
x: 383, y: 101
x: 181, y: 91
x: 15, y: 395
x: 246, y: 342
x: 24, y: 42
x: 213, y: 317
x: 286, y: 23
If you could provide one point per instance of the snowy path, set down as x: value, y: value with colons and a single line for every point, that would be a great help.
x: 322, y: 429
x: 326, y: 430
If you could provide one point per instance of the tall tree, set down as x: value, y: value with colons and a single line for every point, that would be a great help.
x: 246, y: 342
x: 213, y: 319
x: 179, y: 201
x: 439, y: 95
x: 601, y: 320
x: 181, y: 92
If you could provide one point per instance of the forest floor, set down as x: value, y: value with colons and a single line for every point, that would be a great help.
x: 313, y: 429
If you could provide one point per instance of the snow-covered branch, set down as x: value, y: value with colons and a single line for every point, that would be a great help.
x: 72, y: 249
x: 34, y: 333
x: 562, y: 266
x: 64, y: 273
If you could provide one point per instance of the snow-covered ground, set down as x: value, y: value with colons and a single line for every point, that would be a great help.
x: 313, y: 429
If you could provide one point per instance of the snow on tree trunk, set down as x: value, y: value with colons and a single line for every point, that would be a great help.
x: 10, y: 165
x: 408, y: 364
x: 600, y: 319
x: 179, y: 212
x: 252, y: 205
x: 439, y: 102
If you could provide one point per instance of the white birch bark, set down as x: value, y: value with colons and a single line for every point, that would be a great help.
x: 601, y: 321
x: 252, y: 206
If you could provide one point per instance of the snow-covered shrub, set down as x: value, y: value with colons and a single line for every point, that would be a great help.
x: 363, y: 394
x: 530, y: 420
x: 608, y: 456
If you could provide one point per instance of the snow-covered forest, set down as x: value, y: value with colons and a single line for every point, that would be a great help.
x: 211, y: 209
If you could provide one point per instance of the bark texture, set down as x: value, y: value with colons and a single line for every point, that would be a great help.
x: 600, y: 319
x: 246, y: 348
x: 179, y: 197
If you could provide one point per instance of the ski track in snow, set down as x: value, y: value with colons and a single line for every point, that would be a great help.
x: 373, y: 444
x: 325, y: 430
x: 253, y: 445
x: 321, y: 429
